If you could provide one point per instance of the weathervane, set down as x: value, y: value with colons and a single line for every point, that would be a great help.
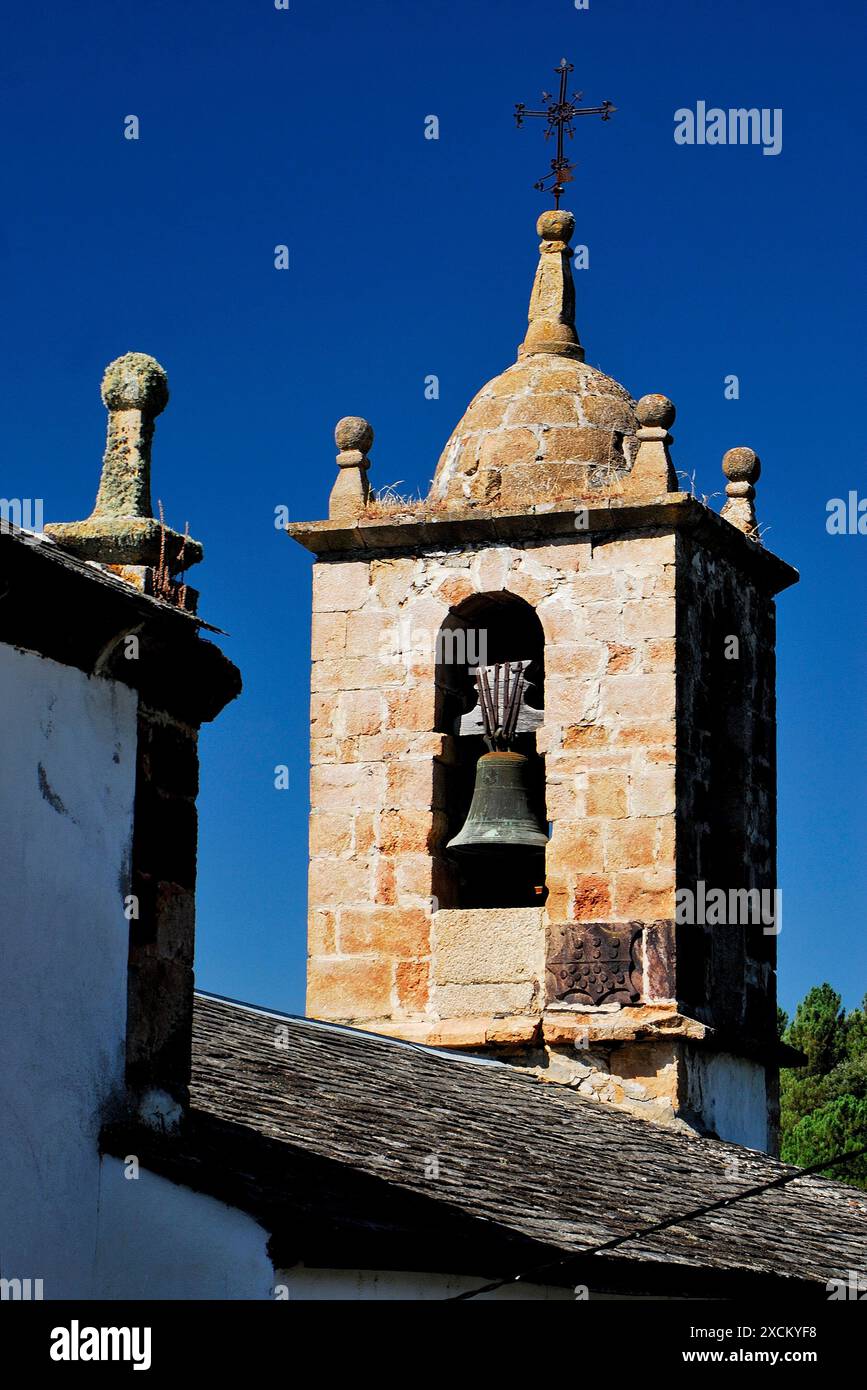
x: 560, y: 114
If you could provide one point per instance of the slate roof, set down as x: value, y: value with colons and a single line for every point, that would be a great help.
x: 535, y: 1164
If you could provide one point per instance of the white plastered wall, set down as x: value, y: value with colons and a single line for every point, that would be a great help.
x: 67, y: 783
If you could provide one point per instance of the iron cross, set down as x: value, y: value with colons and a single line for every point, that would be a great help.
x: 560, y: 114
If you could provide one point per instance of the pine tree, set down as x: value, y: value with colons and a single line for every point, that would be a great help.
x: 823, y: 1104
x: 856, y: 1031
x: 833, y: 1129
x: 819, y: 1030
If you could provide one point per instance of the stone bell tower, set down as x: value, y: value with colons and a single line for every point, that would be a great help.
x: 639, y: 966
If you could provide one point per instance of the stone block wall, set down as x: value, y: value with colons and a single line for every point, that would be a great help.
x: 726, y: 785
x: 378, y: 776
x: 609, y: 732
x: 487, y: 962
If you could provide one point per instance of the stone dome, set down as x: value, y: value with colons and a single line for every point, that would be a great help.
x: 550, y: 427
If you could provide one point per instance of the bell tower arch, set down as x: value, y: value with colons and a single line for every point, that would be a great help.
x: 495, y: 639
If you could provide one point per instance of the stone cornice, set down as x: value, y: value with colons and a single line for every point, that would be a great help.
x: 425, y: 531
x: 561, y: 1028
x: 77, y: 613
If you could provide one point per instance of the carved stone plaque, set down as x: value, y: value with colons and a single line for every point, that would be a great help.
x: 594, y: 963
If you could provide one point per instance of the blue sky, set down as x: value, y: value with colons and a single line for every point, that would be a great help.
x: 409, y: 257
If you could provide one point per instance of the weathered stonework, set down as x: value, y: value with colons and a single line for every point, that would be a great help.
x: 553, y: 526
x: 742, y: 468
x: 377, y: 798
x: 547, y: 428
x: 726, y: 785
x: 486, y: 962
x: 351, y: 492
x: 550, y: 426
x: 629, y: 688
x: 122, y: 530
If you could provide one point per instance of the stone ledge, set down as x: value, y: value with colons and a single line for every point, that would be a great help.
x: 456, y: 1034
x: 419, y: 531
x: 134, y: 540
x: 629, y: 1024
x: 474, y: 525
x: 647, y: 1023
x: 78, y: 613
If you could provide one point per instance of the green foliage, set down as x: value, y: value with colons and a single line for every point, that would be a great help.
x: 819, y: 1030
x: 833, y: 1129
x: 856, y: 1031
x: 823, y: 1104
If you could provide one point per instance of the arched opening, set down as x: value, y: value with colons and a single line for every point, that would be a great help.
x: 484, y: 630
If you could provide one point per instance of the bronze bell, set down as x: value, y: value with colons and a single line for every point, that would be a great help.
x: 500, y: 818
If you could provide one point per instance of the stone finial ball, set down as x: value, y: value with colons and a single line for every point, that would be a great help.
x: 555, y: 226
x: 655, y: 410
x: 741, y: 465
x: 135, y: 382
x: 353, y: 433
